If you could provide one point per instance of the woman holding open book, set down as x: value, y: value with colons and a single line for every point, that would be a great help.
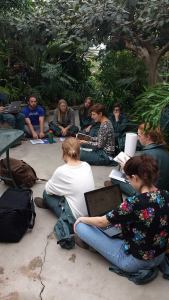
x: 144, y: 220
x: 101, y: 147
x: 153, y: 146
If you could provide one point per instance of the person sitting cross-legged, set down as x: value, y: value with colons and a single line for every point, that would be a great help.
x: 63, y: 123
x: 103, y: 146
x: 64, y: 192
x: 35, y: 119
x: 144, y: 221
x: 87, y: 124
x: 13, y: 120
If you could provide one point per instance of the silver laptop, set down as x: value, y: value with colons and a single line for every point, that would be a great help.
x: 99, y: 202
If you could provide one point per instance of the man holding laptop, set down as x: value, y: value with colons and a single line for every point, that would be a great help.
x: 10, y: 116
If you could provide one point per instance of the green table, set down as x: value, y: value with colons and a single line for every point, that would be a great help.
x: 8, y: 138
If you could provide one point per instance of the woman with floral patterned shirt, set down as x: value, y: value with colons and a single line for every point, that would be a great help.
x: 144, y: 220
x: 103, y: 146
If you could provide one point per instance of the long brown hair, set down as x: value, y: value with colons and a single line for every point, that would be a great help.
x: 60, y: 114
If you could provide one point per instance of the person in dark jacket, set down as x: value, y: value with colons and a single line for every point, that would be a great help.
x: 16, y: 121
x: 63, y: 123
x: 88, y: 126
x: 119, y: 122
x: 154, y: 146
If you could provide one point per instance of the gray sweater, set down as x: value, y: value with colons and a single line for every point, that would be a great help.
x: 67, y: 119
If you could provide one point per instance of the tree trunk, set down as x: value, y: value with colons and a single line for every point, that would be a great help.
x: 151, y: 64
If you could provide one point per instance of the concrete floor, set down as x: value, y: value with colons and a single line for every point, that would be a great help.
x: 37, y: 268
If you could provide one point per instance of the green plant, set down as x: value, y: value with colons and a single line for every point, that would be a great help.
x: 121, y: 78
x: 151, y: 105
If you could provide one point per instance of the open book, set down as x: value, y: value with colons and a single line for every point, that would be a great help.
x: 82, y: 136
x: 121, y: 158
x: 118, y: 175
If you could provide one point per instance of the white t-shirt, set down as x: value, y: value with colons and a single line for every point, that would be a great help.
x: 72, y: 182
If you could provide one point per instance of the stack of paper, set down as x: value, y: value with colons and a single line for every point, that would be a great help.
x: 118, y: 175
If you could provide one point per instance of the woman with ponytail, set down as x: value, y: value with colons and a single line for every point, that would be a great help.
x: 68, y: 184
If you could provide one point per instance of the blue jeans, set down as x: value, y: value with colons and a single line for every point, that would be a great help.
x: 113, y: 249
x: 36, y: 128
x: 53, y: 203
x: 95, y: 157
x: 15, y: 121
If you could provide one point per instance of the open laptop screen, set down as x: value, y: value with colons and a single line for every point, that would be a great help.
x: 101, y: 201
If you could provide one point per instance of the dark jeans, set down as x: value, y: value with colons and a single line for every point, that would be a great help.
x: 95, y: 157
x: 126, y: 188
x: 57, y: 131
x: 14, y: 120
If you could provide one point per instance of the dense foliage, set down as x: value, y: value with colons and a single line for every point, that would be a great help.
x: 44, y: 48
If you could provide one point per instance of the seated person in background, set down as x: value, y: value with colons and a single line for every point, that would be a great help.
x: 119, y: 122
x: 103, y: 145
x: 63, y: 123
x: 88, y: 126
x: 144, y: 221
x: 16, y: 120
x: 153, y: 145
x: 70, y: 180
x: 35, y: 119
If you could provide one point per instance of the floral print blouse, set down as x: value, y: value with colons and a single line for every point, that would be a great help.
x: 144, y: 220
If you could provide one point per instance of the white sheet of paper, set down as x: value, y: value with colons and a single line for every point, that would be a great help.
x: 38, y: 141
x: 117, y: 175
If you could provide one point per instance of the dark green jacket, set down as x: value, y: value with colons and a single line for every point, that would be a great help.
x: 160, y: 153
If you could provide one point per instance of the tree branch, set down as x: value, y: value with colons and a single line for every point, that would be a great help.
x: 164, y: 50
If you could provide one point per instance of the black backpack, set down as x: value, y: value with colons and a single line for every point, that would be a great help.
x: 17, y: 214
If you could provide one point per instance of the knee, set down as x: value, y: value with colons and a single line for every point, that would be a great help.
x: 10, y: 119
x: 81, y: 229
x: 20, y: 116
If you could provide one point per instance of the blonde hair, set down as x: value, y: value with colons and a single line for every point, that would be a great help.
x: 71, y: 148
x: 154, y: 134
x: 62, y: 101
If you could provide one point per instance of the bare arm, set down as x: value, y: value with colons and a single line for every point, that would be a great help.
x: 41, y: 124
x: 94, y: 221
x: 30, y: 126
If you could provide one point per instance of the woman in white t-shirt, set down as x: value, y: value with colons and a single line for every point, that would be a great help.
x: 68, y: 183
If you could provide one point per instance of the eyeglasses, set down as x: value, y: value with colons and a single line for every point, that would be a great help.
x: 116, y: 109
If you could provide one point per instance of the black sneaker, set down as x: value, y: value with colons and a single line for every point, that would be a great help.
x: 39, y: 202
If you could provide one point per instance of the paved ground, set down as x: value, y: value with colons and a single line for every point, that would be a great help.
x: 37, y: 268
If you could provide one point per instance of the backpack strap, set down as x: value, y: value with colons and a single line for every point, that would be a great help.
x: 32, y: 221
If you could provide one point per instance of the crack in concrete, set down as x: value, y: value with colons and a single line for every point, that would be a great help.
x: 42, y: 265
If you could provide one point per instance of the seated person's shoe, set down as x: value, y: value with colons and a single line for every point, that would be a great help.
x: 39, y: 202
x: 83, y: 245
x: 80, y: 243
x: 108, y: 183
